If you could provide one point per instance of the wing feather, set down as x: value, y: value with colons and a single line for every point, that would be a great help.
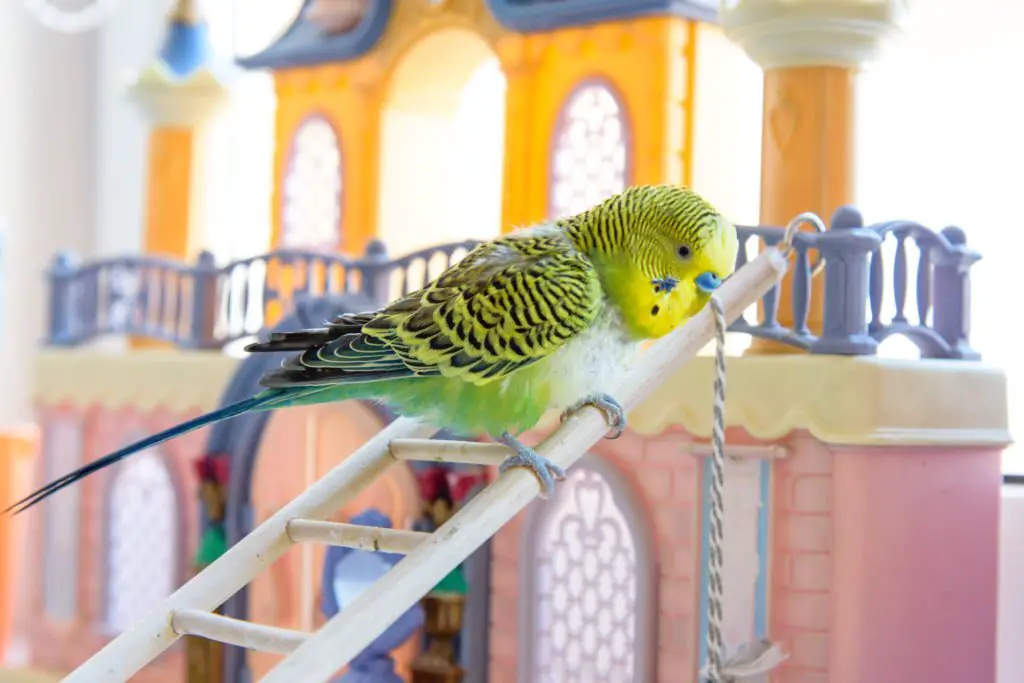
x: 507, y: 304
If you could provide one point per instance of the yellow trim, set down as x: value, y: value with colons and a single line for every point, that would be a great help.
x: 840, y: 401
x: 145, y: 380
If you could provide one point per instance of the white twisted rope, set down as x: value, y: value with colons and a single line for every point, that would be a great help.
x: 71, y: 21
x: 750, y: 659
x: 761, y: 656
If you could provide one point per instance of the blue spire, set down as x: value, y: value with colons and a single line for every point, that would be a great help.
x: 186, y: 46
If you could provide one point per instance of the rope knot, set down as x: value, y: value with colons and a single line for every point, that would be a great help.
x: 749, y: 660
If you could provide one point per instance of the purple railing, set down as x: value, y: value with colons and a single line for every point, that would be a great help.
x: 205, y: 306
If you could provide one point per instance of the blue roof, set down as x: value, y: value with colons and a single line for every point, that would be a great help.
x: 528, y: 16
x: 307, y: 43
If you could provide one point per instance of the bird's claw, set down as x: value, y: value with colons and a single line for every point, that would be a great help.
x: 546, y: 471
x: 613, y: 411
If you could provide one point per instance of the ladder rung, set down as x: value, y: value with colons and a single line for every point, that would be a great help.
x: 355, y: 536
x: 236, y: 632
x: 466, y: 452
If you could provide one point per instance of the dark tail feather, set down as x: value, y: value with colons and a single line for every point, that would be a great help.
x: 260, y: 400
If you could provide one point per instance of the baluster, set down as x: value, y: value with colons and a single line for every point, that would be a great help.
x: 270, y: 294
x: 924, y: 285
x: 90, y: 302
x: 158, y: 274
x: 101, y: 296
x: 952, y: 305
x: 770, y: 301
x: 171, y: 304
x: 204, y: 302
x: 247, y: 297
x: 407, y: 280
x: 845, y: 248
x: 375, y: 271
x: 230, y: 304
x: 140, y: 309
x: 801, y: 291
x: 181, y: 320
x: 899, y: 278
x: 877, y: 290
x: 313, y: 278
x: 62, y: 323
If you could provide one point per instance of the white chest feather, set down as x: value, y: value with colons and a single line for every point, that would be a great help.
x: 596, y: 361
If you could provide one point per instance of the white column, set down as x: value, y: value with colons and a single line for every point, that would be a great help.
x: 128, y: 42
x: 47, y: 181
x: 791, y: 33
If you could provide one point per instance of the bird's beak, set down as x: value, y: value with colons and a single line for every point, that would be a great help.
x: 708, y: 281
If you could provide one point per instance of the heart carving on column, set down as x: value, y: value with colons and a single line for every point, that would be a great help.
x: 782, y: 119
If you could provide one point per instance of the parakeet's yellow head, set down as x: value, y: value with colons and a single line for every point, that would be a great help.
x: 660, y: 251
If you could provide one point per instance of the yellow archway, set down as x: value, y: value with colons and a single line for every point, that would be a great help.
x: 442, y: 143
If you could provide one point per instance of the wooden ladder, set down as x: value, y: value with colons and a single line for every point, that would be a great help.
x: 316, y: 657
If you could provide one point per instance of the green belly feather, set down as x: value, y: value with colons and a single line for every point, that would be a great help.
x: 453, y: 403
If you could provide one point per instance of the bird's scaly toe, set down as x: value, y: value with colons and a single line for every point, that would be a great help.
x: 547, y: 472
x: 613, y: 411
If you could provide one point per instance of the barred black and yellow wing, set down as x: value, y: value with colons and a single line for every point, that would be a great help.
x: 509, y: 303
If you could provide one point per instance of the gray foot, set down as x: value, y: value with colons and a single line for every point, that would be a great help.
x: 612, y: 409
x: 545, y: 470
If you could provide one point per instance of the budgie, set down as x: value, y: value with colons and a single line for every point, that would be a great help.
x: 545, y: 318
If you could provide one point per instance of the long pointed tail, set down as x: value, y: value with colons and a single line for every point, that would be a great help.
x: 263, y: 399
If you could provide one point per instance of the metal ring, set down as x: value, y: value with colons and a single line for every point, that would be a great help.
x: 786, y: 245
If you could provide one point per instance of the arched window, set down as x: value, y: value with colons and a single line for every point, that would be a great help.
x: 590, y: 155
x: 142, y: 539
x: 590, y: 601
x: 311, y: 201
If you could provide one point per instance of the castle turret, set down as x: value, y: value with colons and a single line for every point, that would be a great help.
x: 178, y: 94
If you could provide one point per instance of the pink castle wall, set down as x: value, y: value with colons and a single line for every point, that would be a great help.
x: 885, y: 563
x: 916, y: 565
x: 883, y: 566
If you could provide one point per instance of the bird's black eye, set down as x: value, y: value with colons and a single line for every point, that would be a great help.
x: 684, y: 252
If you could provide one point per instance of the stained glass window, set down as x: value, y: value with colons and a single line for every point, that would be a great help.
x: 142, y: 537
x: 590, y: 156
x: 311, y: 202
x: 587, y: 606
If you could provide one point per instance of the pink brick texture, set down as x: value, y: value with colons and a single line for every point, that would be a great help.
x: 801, y: 564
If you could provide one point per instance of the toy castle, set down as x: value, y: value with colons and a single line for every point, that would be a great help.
x: 849, y: 475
